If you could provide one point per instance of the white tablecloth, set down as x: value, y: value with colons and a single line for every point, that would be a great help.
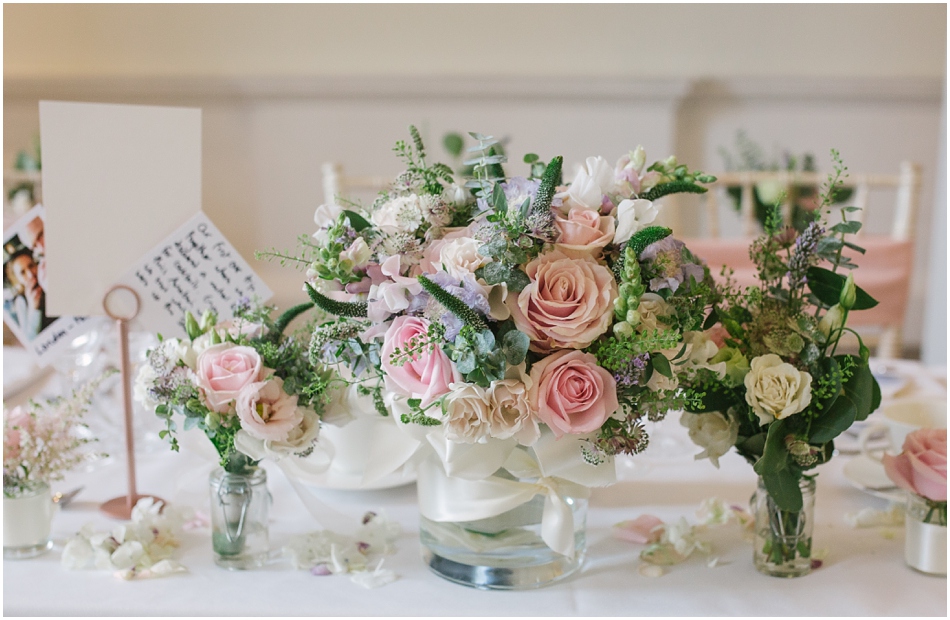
x: 863, y: 573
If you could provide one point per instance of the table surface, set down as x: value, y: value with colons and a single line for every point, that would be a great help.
x: 863, y: 572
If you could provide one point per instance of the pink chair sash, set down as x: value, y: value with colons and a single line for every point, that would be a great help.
x: 884, y: 272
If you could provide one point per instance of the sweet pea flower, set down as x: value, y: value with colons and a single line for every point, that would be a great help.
x: 632, y: 216
x: 921, y: 467
x: 594, y: 180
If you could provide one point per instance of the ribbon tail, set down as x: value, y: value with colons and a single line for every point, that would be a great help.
x: 389, y: 449
x: 557, y: 524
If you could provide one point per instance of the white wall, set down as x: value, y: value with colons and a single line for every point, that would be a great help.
x: 285, y: 88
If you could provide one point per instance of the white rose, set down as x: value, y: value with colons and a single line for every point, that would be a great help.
x: 510, y: 412
x: 632, y: 216
x: 594, y: 180
x: 358, y: 253
x: 403, y: 214
x: 714, y: 432
x: 460, y: 257
x: 776, y: 389
x: 324, y: 217
x: 467, y: 413
x: 651, y: 308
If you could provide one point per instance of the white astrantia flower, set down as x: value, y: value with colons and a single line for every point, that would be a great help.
x: 402, y: 214
x: 633, y: 216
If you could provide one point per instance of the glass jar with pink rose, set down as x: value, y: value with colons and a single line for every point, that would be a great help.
x: 921, y: 470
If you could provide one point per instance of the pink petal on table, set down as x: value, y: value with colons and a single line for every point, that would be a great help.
x: 642, y: 530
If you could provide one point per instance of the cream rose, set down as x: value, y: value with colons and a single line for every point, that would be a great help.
x: 466, y: 410
x: 776, y: 389
x: 460, y: 257
x: 583, y: 231
x: 651, y: 308
x: 510, y: 414
x: 714, y: 432
x: 567, y: 305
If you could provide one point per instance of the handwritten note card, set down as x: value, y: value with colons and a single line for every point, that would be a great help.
x: 195, y: 269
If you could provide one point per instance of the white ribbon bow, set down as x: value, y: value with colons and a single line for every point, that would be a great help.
x: 557, y: 471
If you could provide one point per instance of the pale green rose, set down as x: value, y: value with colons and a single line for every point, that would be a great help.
x: 737, y: 366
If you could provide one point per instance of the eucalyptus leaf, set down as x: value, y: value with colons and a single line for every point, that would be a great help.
x: 774, y: 455
x: 515, y: 345
x: 783, y: 487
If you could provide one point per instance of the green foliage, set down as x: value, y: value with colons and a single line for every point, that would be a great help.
x: 413, y: 155
x: 453, y: 143
x: 496, y: 273
x: 417, y: 415
x: 646, y: 237
x: 284, y: 320
x: 826, y: 286
x: 673, y: 187
x: 453, y: 304
x: 353, y: 309
x: 549, y: 182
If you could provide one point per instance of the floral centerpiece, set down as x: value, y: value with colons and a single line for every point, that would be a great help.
x: 252, y: 391
x: 921, y: 470
x: 520, y: 330
x: 781, y: 392
x: 40, y: 444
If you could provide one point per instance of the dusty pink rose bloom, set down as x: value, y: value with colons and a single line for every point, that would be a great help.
x: 266, y: 411
x: 571, y: 393
x: 922, y: 467
x: 584, y: 231
x: 223, y: 371
x: 428, y: 375
x: 642, y: 530
x: 568, y: 304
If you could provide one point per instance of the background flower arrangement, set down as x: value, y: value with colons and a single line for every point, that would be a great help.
x: 783, y: 393
x: 249, y: 387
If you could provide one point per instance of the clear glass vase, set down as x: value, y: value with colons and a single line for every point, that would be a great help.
x: 782, y: 546
x: 925, y: 542
x: 240, y: 503
x: 504, y: 552
x: 27, y: 518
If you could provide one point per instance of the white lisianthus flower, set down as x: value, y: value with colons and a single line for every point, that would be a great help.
x: 715, y: 432
x: 632, y: 216
x: 298, y: 440
x: 455, y: 195
x: 460, y: 257
x: 701, y: 350
x: 467, y: 412
x: 595, y: 179
x: 324, y: 217
x: 358, y: 253
x: 402, y: 214
x: 776, y: 389
x: 660, y: 382
x: 737, y: 366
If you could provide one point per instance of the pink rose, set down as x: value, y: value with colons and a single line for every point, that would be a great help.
x: 223, y: 371
x: 583, y: 231
x: 571, y: 393
x: 568, y: 304
x: 922, y: 467
x: 428, y: 375
x: 266, y: 411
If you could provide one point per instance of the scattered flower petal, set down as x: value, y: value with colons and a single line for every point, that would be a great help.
x: 642, y: 530
x: 650, y: 570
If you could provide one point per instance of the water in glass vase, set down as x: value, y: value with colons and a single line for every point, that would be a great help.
x: 240, y: 503
x: 783, y: 538
x: 504, y: 552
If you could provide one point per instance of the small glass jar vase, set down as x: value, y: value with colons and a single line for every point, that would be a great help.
x: 240, y: 503
x: 925, y: 541
x: 782, y: 545
x: 503, y: 552
x: 27, y: 517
